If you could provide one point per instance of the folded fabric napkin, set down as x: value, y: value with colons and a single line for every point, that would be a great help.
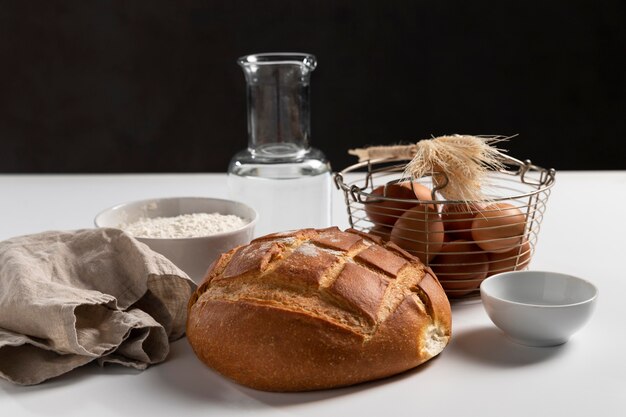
x: 69, y: 298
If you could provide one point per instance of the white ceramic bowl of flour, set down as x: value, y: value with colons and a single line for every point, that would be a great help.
x: 174, y: 227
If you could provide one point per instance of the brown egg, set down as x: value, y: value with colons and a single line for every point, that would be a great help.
x: 421, y: 192
x: 457, y: 219
x: 419, y: 231
x: 460, y: 266
x: 498, y: 228
x: 507, y: 261
x: 382, y: 231
x: 387, y: 212
x: 448, y: 236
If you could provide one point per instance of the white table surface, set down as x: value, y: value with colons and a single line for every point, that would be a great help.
x: 480, y: 373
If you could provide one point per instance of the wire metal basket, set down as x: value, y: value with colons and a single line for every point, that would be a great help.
x: 462, y: 241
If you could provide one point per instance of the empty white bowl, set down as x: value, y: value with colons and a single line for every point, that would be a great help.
x: 538, y: 308
x: 195, y: 254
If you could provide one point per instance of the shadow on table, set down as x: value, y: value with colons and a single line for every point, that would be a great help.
x: 182, y: 375
x: 199, y: 384
x: 73, y: 377
x: 489, y: 346
x: 287, y: 399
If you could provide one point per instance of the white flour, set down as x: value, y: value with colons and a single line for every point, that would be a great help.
x: 186, y: 225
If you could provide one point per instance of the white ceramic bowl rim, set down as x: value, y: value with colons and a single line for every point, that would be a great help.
x: 252, y: 221
x: 485, y: 283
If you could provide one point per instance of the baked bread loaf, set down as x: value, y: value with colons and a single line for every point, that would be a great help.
x: 313, y: 309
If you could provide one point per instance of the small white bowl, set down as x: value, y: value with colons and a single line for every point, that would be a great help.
x: 538, y: 308
x: 193, y: 255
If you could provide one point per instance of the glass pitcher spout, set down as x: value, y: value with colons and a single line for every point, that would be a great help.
x: 278, y: 97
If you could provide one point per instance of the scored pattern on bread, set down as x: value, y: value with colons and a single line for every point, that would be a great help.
x: 342, y: 277
x: 313, y: 309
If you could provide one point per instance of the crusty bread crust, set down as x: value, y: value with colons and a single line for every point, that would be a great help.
x: 313, y: 309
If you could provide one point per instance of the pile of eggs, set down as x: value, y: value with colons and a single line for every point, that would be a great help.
x: 462, y: 242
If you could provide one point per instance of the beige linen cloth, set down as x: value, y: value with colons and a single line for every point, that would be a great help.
x: 69, y: 298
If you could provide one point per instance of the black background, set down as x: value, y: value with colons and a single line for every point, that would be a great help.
x: 152, y: 86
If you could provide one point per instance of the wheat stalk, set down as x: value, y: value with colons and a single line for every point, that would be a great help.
x: 458, y: 164
x: 463, y: 160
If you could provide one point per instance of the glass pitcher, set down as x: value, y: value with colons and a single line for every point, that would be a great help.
x: 286, y: 180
